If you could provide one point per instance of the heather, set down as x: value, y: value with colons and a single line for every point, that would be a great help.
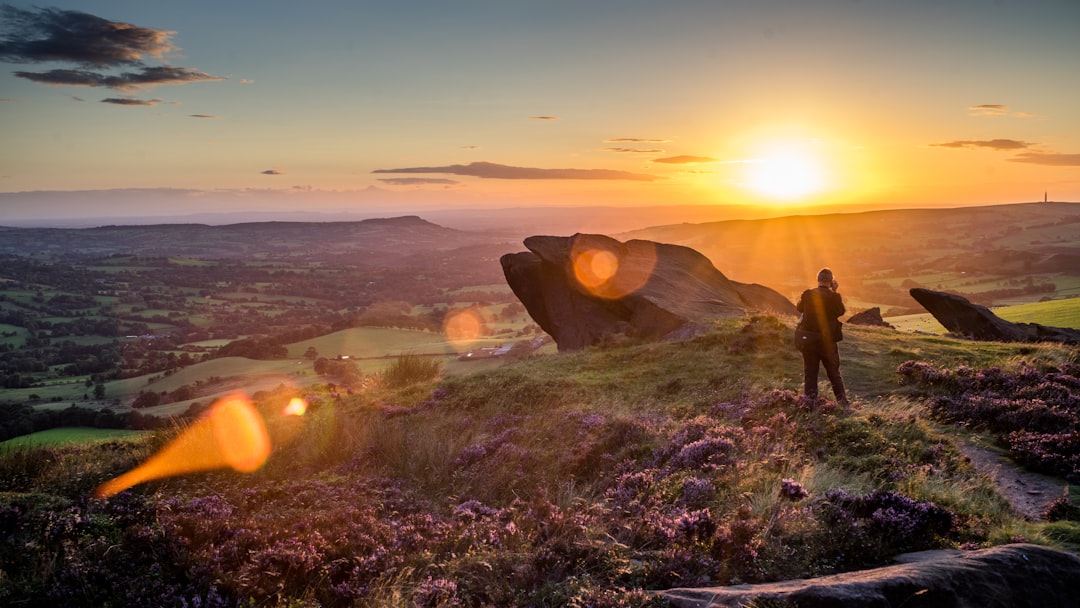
x: 583, y: 479
x: 1033, y: 411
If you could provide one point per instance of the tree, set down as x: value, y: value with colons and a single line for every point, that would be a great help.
x: 311, y: 353
x: 99, y: 390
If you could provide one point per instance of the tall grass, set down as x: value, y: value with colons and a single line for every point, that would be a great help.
x: 408, y: 369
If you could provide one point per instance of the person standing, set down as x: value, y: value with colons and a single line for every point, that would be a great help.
x: 818, y: 332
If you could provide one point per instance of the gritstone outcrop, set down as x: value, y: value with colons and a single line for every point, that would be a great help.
x: 1008, y: 576
x: 587, y: 288
x: 960, y: 316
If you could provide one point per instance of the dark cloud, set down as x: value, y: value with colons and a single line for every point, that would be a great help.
x: 272, y: 172
x: 91, y: 44
x: 635, y: 150
x: 49, y: 34
x: 993, y: 144
x: 495, y: 171
x: 202, y: 116
x: 543, y: 118
x: 635, y: 140
x: 127, y: 101
x: 418, y: 181
x: 148, y: 77
x: 1053, y: 159
x: 685, y: 160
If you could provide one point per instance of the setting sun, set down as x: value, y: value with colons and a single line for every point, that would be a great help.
x: 787, y: 172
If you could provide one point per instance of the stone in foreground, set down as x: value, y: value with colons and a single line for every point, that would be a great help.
x: 1008, y: 576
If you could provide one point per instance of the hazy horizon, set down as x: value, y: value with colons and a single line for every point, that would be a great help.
x: 126, y: 109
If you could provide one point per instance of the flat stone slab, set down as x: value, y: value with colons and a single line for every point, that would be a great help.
x: 1007, y: 576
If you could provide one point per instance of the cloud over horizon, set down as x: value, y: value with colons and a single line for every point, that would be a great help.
x: 1052, y: 159
x: 88, y: 41
x: 993, y: 110
x: 488, y: 170
x: 993, y: 144
x: 418, y: 181
x: 685, y: 160
x: 272, y: 172
x: 127, y: 101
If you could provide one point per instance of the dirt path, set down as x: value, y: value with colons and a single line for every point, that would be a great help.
x: 1029, y: 493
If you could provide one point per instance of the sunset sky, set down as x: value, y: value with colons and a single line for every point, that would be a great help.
x: 351, y: 105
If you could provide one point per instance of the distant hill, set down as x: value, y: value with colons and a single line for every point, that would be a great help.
x: 964, y: 249
x: 398, y: 235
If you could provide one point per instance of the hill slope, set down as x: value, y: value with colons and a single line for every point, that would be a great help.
x: 557, y: 480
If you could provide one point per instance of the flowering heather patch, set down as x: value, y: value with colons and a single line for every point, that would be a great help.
x: 535, y: 507
x: 1035, y: 413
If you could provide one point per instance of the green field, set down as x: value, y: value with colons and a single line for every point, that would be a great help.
x: 69, y: 436
x: 1055, y: 313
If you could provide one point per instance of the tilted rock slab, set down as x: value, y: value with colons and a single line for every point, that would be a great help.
x: 587, y: 288
x: 958, y: 315
x: 1008, y: 576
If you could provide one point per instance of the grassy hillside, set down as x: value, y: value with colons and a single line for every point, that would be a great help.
x: 1055, y: 313
x: 557, y: 480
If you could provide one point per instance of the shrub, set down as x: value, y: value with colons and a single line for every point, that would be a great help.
x: 409, y: 369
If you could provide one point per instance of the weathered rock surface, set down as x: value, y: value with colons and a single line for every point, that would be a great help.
x: 960, y: 316
x: 586, y: 288
x: 1008, y: 576
x: 870, y: 316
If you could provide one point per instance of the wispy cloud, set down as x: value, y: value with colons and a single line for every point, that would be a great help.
x: 993, y: 110
x: 543, y: 118
x: 495, y: 171
x: 993, y: 144
x: 147, y: 77
x: 470, y: 147
x: 92, y: 44
x: 1053, y: 159
x: 418, y: 181
x: 635, y: 150
x: 272, y: 172
x: 128, y: 101
x: 635, y: 140
x: 685, y: 160
x: 202, y: 116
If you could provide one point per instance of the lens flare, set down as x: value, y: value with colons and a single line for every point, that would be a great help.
x: 465, y: 326
x: 612, y: 274
x: 296, y: 407
x: 231, y: 434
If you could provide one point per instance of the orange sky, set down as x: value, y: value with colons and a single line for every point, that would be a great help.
x: 343, y: 107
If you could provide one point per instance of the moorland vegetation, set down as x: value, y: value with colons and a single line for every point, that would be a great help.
x: 583, y: 479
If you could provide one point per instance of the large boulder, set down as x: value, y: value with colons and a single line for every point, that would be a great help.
x: 586, y: 288
x: 1008, y: 576
x: 960, y: 316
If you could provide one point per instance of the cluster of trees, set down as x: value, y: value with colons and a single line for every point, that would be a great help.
x: 22, y: 419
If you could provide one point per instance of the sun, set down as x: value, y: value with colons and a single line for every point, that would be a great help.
x: 787, y: 172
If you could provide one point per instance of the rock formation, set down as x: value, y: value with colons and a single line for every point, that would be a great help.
x: 960, y: 316
x: 587, y: 288
x: 870, y: 316
x: 1008, y: 576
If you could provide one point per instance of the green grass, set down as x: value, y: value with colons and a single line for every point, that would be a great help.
x: 553, y: 433
x: 1055, y: 313
x: 70, y: 436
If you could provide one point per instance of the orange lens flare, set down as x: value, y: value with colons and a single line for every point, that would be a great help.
x: 231, y: 434
x: 296, y: 407
x: 609, y: 274
x: 465, y: 326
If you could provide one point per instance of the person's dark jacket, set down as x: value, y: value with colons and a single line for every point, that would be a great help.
x: 821, y: 308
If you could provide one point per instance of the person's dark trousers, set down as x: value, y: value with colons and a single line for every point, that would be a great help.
x: 826, y: 354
